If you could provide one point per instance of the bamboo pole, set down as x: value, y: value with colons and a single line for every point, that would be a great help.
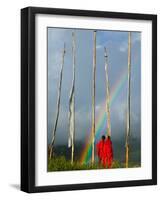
x: 58, y: 105
x: 108, y: 94
x: 93, y: 98
x: 128, y: 101
x: 72, y: 105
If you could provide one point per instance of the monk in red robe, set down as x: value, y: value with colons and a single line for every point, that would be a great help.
x: 100, y: 149
x: 108, y: 153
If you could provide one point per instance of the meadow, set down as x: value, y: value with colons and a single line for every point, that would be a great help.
x: 61, y: 164
x: 61, y: 161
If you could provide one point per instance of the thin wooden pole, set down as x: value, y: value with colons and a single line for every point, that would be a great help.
x: 128, y: 101
x: 58, y: 105
x: 72, y: 105
x: 93, y: 98
x: 108, y: 95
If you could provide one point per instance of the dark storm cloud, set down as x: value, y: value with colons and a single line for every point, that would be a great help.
x: 116, y: 42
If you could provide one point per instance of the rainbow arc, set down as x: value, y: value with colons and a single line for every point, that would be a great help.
x: 101, y: 119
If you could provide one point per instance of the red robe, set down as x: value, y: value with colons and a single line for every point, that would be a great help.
x: 100, y: 150
x: 108, y: 154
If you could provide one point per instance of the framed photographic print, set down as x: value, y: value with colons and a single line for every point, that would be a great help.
x: 88, y: 99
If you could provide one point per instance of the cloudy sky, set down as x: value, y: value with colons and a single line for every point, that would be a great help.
x: 116, y: 43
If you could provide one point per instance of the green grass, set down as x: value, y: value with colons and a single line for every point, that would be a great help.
x: 61, y: 164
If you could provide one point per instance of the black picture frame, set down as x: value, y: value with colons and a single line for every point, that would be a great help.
x: 28, y: 98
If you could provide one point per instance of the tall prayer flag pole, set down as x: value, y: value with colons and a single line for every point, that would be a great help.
x: 108, y: 95
x: 72, y: 105
x: 128, y: 101
x: 58, y: 105
x: 93, y: 98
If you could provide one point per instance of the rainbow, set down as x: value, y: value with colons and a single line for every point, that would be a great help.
x: 101, y: 119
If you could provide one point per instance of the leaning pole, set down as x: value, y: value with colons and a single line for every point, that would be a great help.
x: 108, y: 94
x: 72, y: 104
x: 57, y: 106
x: 128, y: 102
x: 93, y: 97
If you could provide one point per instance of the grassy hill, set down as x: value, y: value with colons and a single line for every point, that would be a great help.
x: 61, y: 164
x: 62, y: 155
